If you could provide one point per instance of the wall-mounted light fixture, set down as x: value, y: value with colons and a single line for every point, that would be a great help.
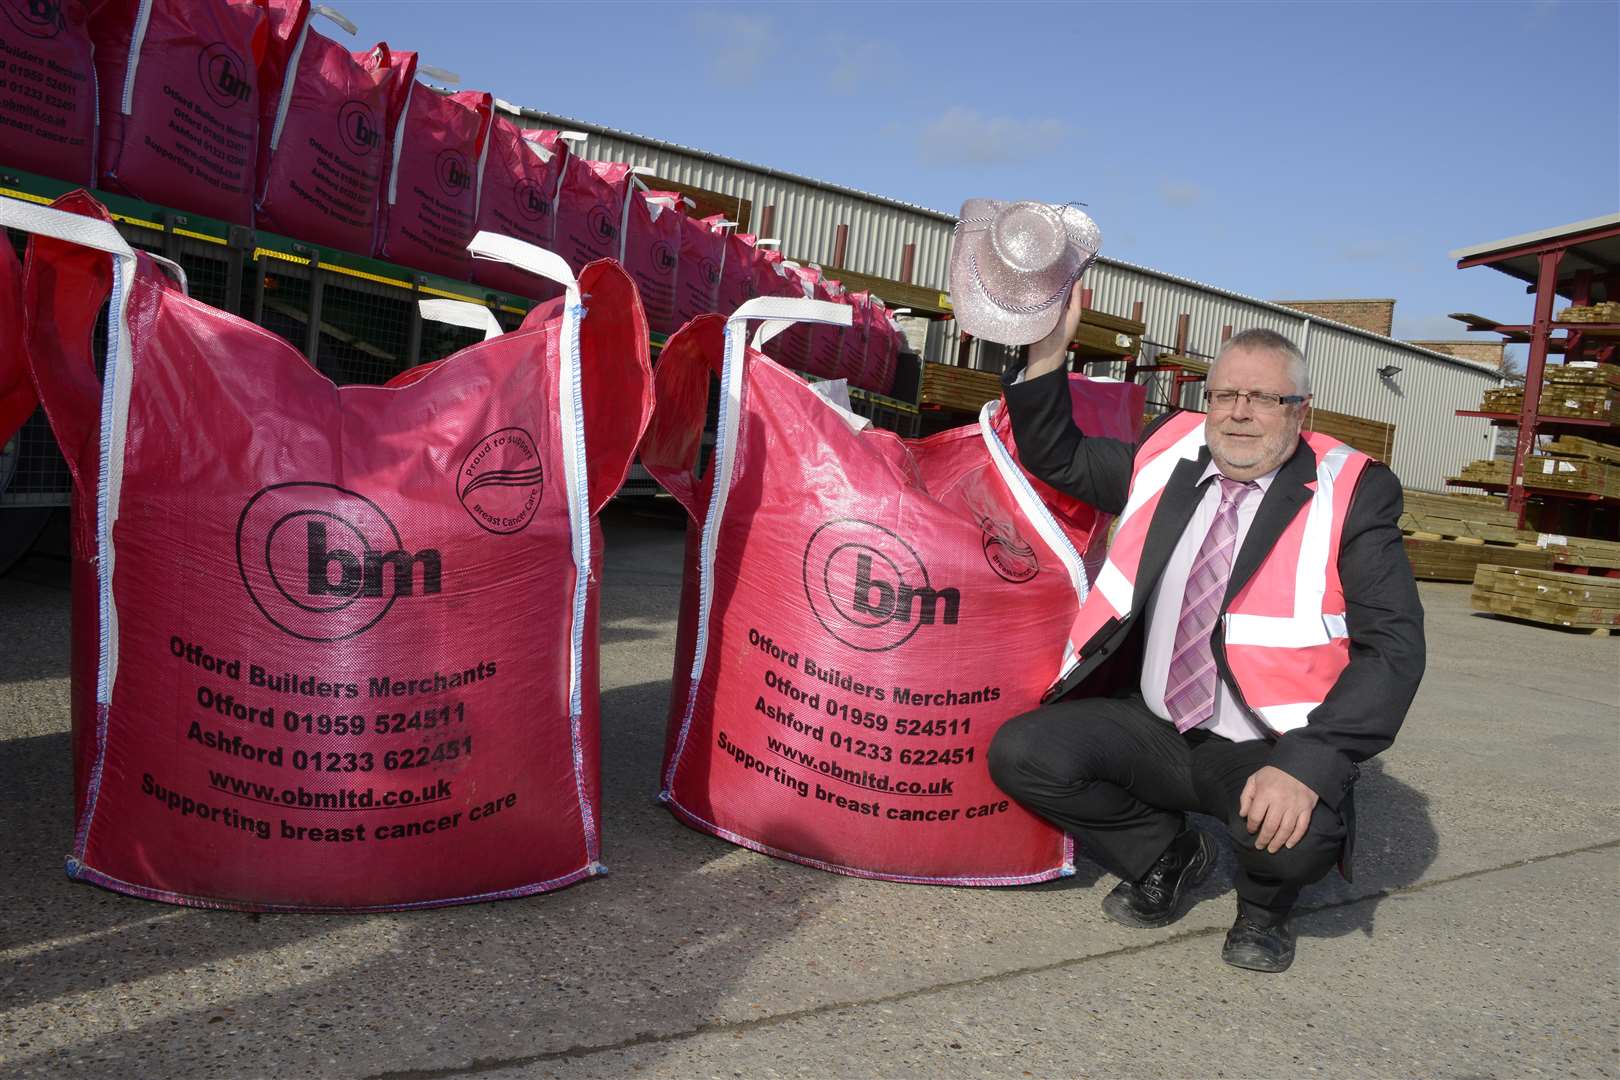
x: 1388, y: 371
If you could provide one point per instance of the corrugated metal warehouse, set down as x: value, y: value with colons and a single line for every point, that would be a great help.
x: 1419, y: 400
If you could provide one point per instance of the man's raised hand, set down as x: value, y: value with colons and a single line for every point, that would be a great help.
x: 1052, y: 351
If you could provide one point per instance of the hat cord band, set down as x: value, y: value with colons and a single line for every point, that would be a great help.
x: 1019, y: 309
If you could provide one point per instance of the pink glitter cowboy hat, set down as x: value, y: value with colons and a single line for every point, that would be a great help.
x: 1013, y: 265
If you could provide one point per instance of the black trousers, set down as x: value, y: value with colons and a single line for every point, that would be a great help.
x: 1120, y: 780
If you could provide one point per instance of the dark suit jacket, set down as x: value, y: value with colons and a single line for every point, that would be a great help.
x: 1364, y: 709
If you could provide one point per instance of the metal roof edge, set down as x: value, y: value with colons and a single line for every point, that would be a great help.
x: 1472, y: 365
x: 553, y: 119
x: 1533, y: 237
x: 1338, y: 300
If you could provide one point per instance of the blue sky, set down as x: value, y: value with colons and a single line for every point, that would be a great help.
x: 1301, y: 150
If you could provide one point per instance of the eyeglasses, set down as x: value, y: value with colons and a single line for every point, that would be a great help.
x: 1258, y: 400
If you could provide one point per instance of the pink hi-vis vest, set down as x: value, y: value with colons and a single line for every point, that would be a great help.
x: 1284, y: 634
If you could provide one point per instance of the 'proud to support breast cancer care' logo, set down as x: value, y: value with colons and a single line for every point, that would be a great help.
x: 870, y: 589
x: 36, y: 18
x: 500, y: 480
x: 324, y: 563
x: 1008, y: 553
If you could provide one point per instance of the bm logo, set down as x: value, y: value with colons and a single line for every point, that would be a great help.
x: 663, y: 257
x: 601, y: 224
x: 869, y: 589
x: 224, y: 76
x: 453, y: 172
x: 357, y: 125
x: 36, y: 18
x: 531, y: 200
x: 323, y: 563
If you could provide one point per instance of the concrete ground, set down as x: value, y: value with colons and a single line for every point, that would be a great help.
x: 1478, y: 939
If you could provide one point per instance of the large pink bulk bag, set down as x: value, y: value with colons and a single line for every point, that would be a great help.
x: 852, y: 355
x: 180, y: 102
x: 736, y: 268
x: 652, y: 253
x: 773, y: 277
x: 826, y: 342
x: 48, y: 93
x: 590, y: 211
x: 697, y: 286
x: 326, y: 144
x: 882, y: 348
x: 337, y: 650
x: 860, y: 615
x: 17, y: 400
x: 821, y: 343
x: 521, y: 176
x: 430, y: 210
x: 285, y: 20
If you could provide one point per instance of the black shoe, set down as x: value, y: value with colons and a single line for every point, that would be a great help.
x: 1155, y: 899
x: 1259, y: 945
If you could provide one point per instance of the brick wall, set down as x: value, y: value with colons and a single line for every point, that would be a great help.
x: 1377, y: 316
x: 1485, y: 352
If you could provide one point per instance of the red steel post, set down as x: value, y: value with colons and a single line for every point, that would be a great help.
x: 1540, y: 331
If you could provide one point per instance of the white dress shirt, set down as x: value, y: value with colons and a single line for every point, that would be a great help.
x: 1164, y: 609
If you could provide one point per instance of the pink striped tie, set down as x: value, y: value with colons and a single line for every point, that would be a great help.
x: 1189, y: 691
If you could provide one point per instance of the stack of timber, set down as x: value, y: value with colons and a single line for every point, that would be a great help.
x: 1582, y: 551
x: 1548, y: 597
x: 1481, y: 518
x: 1371, y: 437
x: 1581, y: 391
x: 1571, y: 463
x: 1448, y: 536
x: 1573, y: 446
x: 1484, y: 472
x: 1546, y: 473
x: 1456, y: 506
x: 946, y: 386
x: 1607, y: 312
x: 1478, y: 529
x: 1438, y: 559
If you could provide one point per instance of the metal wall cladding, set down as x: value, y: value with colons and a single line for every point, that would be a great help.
x: 807, y: 215
x: 1430, y: 442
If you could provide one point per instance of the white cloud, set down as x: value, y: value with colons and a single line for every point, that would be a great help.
x: 739, y: 45
x: 1180, y: 192
x: 1392, y: 253
x: 1369, y: 250
x: 853, y: 63
x: 964, y: 136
